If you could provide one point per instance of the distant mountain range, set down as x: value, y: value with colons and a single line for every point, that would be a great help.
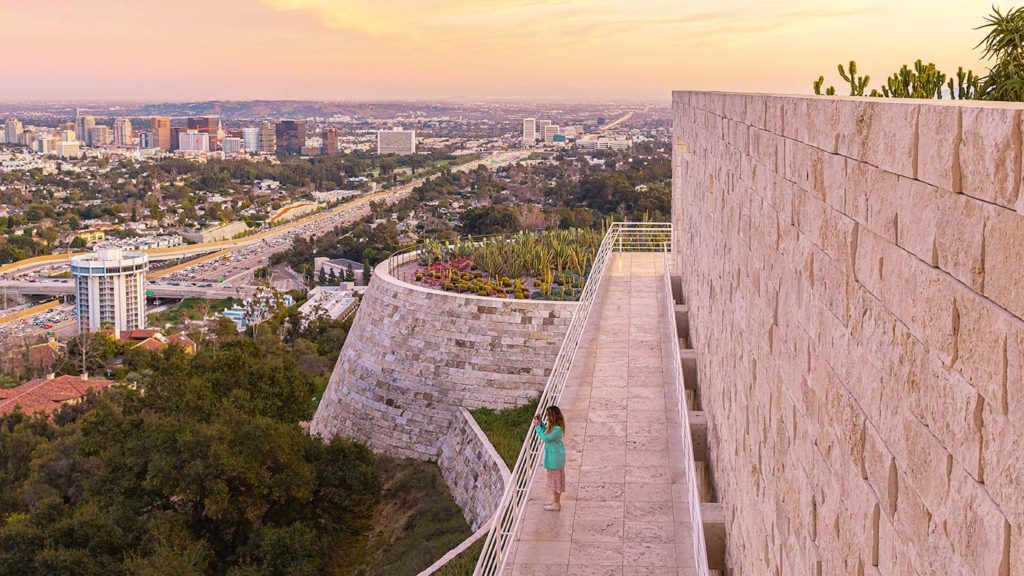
x: 275, y: 109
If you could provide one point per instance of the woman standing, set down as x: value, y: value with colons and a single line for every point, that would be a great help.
x: 551, y: 431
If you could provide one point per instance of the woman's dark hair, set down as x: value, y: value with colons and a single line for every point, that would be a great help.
x: 555, y: 418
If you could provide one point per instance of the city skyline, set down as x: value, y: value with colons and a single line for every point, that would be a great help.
x: 490, y: 49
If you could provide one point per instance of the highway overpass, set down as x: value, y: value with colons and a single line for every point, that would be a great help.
x: 215, y: 292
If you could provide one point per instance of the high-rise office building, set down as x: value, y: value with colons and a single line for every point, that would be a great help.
x: 330, y: 141
x: 45, y: 145
x: 145, y: 139
x: 193, y: 141
x: 110, y: 289
x: 99, y: 136
x: 67, y: 135
x: 232, y: 145
x: 541, y: 125
x: 251, y: 139
x: 122, y: 132
x: 396, y: 141
x: 209, y: 125
x: 550, y: 131
x: 13, y: 131
x: 161, y: 137
x: 530, y: 130
x: 291, y: 136
x: 176, y: 132
x: 268, y: 139
x: 82, y: 126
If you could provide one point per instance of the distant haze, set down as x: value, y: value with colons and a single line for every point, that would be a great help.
x: 428, y: 49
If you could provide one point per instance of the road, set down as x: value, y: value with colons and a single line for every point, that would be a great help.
x: 159, y: 290
x: 616, y: 123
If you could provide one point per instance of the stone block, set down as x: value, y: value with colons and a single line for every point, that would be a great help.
x: 880, y: 133
x: 835, y: 181
x: 880, y: 471
x: 916, y: 205
x: 990, y: 155
x: 870, y: 198
x: 1004, y: 259
x: 913, y: 520
x: 960, y: 228
x: 977, y: 529
x: 938, y: 145
x: 981, y: 338
x: 925, y: 463
x: 952, y: 410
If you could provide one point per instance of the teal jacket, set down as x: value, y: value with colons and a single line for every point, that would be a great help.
x: 554, y: 451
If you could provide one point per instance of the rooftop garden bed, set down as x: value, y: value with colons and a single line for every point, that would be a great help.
x: 550, y: 265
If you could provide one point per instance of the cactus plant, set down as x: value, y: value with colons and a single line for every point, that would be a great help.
x: 857, y: 83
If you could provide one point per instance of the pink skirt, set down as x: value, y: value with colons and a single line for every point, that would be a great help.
x: 556, y: 480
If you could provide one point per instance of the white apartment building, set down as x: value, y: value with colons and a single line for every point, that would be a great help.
x: 251, y: 139
x: 122, y: 132
x: 110, y: 288
x: 550, y: 131
x: 194, y: 141
x: 82, y: 126
x: 12, y: 131
x: 232, y: 146
x: 530, y: 130
x: 69, y: 149
x: 396, y: 141
x: 541, y: 125
x: 99, y: 136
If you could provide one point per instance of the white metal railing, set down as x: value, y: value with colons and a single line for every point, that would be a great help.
x: 621, y: 237
x: 700, y: 555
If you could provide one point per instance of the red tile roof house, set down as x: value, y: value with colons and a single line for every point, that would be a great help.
x: 152, y: 339
x: 48, y: 394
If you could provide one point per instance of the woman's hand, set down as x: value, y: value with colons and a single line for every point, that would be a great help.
x: 536, y: 420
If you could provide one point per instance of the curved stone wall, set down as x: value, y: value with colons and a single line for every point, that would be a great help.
x: 415, y: 355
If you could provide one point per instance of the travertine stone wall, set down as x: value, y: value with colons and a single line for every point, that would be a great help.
x: 855, y: 275
x: 473, y: 470
x: 415, y: 355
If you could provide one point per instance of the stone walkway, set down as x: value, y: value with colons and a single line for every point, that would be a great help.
x: 625, y: 511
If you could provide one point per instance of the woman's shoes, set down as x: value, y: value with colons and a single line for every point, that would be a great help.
x: 552, y: 507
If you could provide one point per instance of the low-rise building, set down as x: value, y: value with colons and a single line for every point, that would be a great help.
x: 333, y: 301
x: 49, y: 393
x: 396, y: 141
x: 334, y: 195
x: 338, y: 266
x: 216, y: 233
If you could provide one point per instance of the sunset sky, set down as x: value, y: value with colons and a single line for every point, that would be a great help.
x: 496, y: 49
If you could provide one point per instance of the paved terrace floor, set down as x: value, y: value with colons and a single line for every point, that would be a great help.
x: 625, y: 511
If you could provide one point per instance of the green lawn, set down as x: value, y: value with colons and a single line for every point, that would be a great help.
x: 189, y: 309
x: 506, y: 429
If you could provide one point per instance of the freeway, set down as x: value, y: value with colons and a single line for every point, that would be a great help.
x: 158, y: 289
x: 616, y: 123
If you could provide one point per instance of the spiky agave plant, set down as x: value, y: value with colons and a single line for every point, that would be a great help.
x: 1003, y: 43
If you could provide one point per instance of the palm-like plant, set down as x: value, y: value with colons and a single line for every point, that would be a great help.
x: 1004, y: 43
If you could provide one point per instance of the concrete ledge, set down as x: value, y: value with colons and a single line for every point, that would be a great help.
x: 713, y: 515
